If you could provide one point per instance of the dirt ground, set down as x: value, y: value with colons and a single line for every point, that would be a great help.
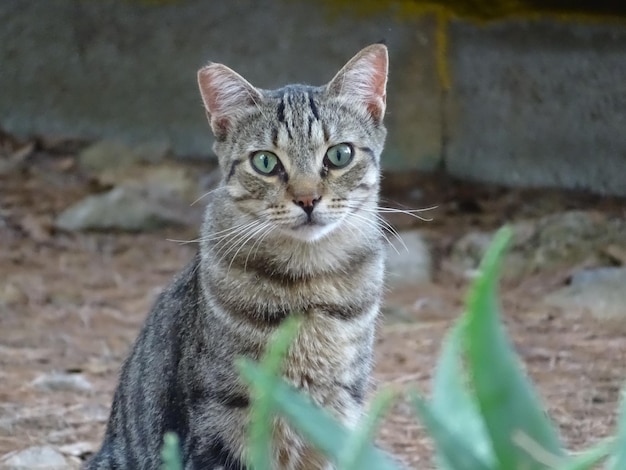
x: 74, y: 302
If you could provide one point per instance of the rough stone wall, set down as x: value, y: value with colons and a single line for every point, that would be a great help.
x: 529, y: 103
x: 118, y: 69
x: 538, y: 103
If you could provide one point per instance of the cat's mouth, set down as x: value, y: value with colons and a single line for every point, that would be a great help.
x: 311, y: 230
x: 308, y: 223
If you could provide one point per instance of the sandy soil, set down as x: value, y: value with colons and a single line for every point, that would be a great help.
x: 74, y: 303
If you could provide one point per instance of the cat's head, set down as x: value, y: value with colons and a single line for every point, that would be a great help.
x: 302, y: 158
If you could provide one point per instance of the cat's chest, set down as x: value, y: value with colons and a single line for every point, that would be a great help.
x: 327, y: 358
x: 323, y: 344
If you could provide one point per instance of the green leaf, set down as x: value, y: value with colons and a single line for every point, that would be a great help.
x: 589, y: 458
x: 454, y: 406
x: 261, y: 409
x: 315, y: 424
x: 353, y: 455
x: 456, y: 453
x: 505, y: 397
x: 279, y: 345
x: 170, y: 453
x: 618, y: 460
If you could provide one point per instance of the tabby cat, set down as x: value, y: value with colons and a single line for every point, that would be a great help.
x: 291, y: 228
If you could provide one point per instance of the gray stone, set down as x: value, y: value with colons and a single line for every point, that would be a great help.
x: 10, y: 166
x: 409, y: 260
x: 12, y: 294
x: 469, y: 249
x: 167, y: 181
x: 544, y: 244
x: 63, y: 382
x: 16, y: 161
x: 35, y: 458
x: 468, y: 252
x: 89, y: 412
x: 7, y: 425
x: 127, y: 208
x: 538, y: 103
x: 110, y: 154
x: 79, y: 449
x: 396, y: 314
x: 600, y: 292
x: 599, y: 275
x: 145, y: 168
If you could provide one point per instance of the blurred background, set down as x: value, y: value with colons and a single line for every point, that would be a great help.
x: 515, y: 92
x: 509, y: 111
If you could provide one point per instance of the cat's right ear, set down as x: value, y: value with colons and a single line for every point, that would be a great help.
x: 226, y: 96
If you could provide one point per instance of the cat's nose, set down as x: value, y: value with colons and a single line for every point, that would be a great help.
x: 307, y: 202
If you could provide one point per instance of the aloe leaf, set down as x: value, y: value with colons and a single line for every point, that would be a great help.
x: 170, y: 453
x: 261, y: 408
x: 354, y: 452
x: 618, y: 459
x: 452, y: 403
x: 456, y: 453
x: 279, y: 345
x: 505, y: 397
x: 313, y: 423
x: 589, y: 458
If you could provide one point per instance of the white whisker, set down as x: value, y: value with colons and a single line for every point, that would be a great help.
x: 207, y: 193
x: 408, y: 210
x: 411, y: 213
x: 377, y: 227
x: 253, y: 233
x: 212, y: 237
x: 386, y: 225
x: 230, y: 244
x: 392, y: 230
x: 269, y: 229
x: 394, y: 210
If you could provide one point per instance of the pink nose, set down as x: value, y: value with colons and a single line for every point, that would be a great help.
x: 307, y: 202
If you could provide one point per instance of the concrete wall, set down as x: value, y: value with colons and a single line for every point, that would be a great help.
x: 531, y: 103
x: 113, y: 68
x: 539, y: 104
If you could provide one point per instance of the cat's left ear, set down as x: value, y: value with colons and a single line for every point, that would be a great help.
x: 364, y: 79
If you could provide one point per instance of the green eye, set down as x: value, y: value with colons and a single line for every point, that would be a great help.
x: 265, y: 162
x: 338, y: 156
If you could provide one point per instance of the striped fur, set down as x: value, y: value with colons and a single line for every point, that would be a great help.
x: 261, y: 258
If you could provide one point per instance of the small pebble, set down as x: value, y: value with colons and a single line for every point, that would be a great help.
x: 34, y: 458
x: 62, y: 382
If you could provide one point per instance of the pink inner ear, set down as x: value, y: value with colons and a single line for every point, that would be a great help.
x: 226, y: 95
x: 376, y: 106
x: 220, y: 127
x: 364, y: 79
x: 379, y: 75
x: 224, y: 91
x: 212, y: 87
x: 377, y: 83
x: 212, y: 101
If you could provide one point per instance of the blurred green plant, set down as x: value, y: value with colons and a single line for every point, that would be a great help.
x: 170, y: 453
x: 484, y: 413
